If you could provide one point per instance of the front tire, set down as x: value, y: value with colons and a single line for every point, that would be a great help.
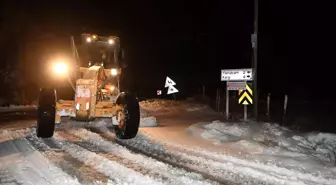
x: 127, y: 116
x: 46, y: 113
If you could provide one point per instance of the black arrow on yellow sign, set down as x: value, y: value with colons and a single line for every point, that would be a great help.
x: 245, y: 96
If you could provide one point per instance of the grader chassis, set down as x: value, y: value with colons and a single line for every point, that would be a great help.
x: 97, y: 92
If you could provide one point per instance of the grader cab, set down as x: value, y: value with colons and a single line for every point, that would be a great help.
x: 97, y: 90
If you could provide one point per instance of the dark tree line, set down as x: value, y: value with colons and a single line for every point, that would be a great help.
x: 16, y: 85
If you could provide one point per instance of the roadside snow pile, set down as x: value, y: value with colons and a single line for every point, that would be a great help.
x: 17, y: 107
x: 105, y: 123
x: 148, y: 122
x: 143, y: 113
x: 235, y: 170
x: 192, y: 109
x: 318, y: 145
x: 235, y: 130
x: 145, y: 119
x: 170, y: 105
x: 21, y: 106
x: 269, y: 139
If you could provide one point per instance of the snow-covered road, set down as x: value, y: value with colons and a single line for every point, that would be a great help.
x: 81, y: 157
x: 173, y: 148
x: 95, y: 156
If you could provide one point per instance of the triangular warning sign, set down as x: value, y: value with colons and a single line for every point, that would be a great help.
x: 171, y: 90
x: 169, y: 82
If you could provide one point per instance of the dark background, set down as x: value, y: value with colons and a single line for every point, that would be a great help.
x: 189, y: 41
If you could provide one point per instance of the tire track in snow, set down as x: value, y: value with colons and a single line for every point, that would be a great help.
x: 212, y: 170
x: 113, y: 156
x: 27, y: 165
x: 119, y: 174
x: 160, y: 154
x: 236, y: 170
x: 7, y: 179
x: 70, y: 165
x: 144, y: 164
x: 227, y: 171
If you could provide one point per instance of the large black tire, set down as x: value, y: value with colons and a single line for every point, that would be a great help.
x: 46, y: 113
x: 128, y: 116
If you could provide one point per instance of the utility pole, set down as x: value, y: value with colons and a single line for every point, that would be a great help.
x: 255, y: 60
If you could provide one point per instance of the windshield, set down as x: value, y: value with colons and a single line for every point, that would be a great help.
x: 98, y: 52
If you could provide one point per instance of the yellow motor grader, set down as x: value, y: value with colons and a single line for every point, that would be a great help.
x: 97, y: 90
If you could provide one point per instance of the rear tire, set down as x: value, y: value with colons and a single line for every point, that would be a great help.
x: 128, y: 116
x: 46, y: 113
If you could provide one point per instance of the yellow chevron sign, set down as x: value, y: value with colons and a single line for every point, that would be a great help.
x: 245, y: 96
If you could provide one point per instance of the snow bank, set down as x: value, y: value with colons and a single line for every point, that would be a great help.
x: 266, y: 138
x: 192, y: 109
x: 234, y: 130
x: 318, y: 145
x: 170, y: 105
x: 17, y: 108
x: 143, y: 112
x: 21, y: 106
x: 104, y: 123
x: 148, y: 122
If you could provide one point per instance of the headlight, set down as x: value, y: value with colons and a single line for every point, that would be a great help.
x: 111, y: 41
x: 95, y: 37
x: 114, y: 72
x: 88, y: 39
x: 60, y: 68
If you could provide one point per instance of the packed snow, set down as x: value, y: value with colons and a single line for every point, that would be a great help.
x: 192, y: 109
x: 171, y: 174
x: 119, y: 173
x: 163, y: 105
x: 103, y: 123
x: 242, y: 169
x: 24, y: 165
x: 146, y: 120
x: 17, y: 108
x: 253, y: 153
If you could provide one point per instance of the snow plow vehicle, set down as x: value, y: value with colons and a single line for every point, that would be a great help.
x: 97, y: 91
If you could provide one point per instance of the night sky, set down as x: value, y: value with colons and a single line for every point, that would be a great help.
x: 189, y: 41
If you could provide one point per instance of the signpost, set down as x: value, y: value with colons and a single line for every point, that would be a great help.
x: 235, y: 86
x: 245, y: 98
x: 237, y: 74
x: 236, y: 80
x: 170, y: 84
